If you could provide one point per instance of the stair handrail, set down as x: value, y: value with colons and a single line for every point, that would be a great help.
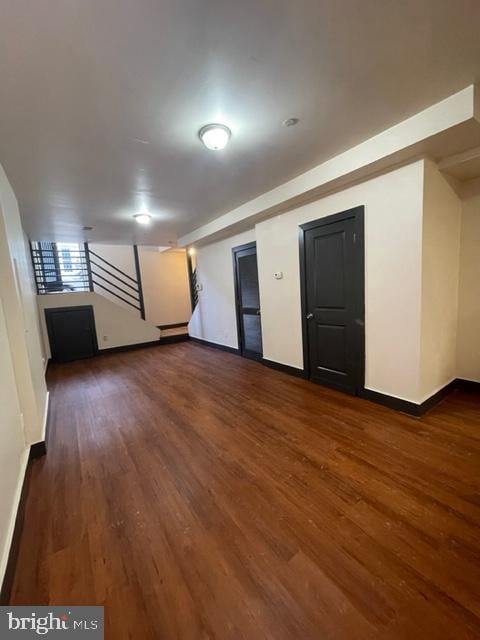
x: 137, y: 282
x: 112, y: 265
x: 113, y: 275
x: 98, y: 284
x: 112, y: 284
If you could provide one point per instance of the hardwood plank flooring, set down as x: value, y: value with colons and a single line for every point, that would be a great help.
x: 198, y: 495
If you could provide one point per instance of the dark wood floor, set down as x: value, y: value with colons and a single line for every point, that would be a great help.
x: 198, y: 495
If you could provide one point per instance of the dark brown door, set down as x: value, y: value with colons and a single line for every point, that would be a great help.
x: 71, y: 332
x: 248, y: 301
x: 333, y: 305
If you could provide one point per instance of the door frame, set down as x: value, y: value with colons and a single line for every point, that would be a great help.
x: 358, y: 215
x: 50, y: 311
x: 241, y: 348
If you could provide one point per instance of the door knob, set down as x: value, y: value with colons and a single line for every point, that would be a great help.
x: 309, y: 316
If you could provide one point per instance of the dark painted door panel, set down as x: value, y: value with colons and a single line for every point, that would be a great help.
x: 71, y: 332
x: 248, y: 301
x: 334, y: 305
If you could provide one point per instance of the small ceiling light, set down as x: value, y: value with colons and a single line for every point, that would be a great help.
x: 290, y: 122
x: 215, y: 136
x: 143, y: 218
x: 191, y: 251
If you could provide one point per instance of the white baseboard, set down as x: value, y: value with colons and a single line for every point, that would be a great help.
x: 13, y: 515
x: 4, y: 553
x: 45, y: 416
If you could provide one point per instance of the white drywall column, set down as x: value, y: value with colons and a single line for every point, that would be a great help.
x: 442, y: 212
x: 468, y: 336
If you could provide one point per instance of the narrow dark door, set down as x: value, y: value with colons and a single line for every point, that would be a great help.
x: 71, y: 332
x: 248, y: 301
x: 333, y: 287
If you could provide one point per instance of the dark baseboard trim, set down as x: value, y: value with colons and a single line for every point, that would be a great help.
x: 390, y: 401
x: 175, y: 325
x: 406, y: 406
x: 37, y: 450
x: 214, y: 345
x: 284, y: 368
x: 429, y: 403
x: 468, y: 385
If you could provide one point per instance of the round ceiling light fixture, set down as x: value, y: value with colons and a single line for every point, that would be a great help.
x: 290, y: 122
x: 142, y: 218
x: 215, y: 136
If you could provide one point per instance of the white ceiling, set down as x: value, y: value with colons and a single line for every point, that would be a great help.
x: 101, y: 100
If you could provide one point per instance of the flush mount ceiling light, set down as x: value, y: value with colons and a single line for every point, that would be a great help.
x: 290, y: 122
x: 215, y: 136
x: 142, y: 218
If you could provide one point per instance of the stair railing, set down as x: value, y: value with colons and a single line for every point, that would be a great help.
x: 105, y: 275
x: 192, y: 281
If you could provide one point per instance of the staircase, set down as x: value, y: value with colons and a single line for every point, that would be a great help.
x: 106, y: 276
x: 63, y: 269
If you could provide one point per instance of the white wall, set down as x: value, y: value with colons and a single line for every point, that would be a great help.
x: 214, y: 317
x: 440, y: 275
x: 21, y: 316
x: 165, y: 284
x: 468, y: 338
x: 23, y: 393
x: 13, y: 449
x: 393, y: 219
x: 393, y: 266
x: 115, y: 326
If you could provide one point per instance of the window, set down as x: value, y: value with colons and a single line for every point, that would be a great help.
x: 59, y: 267
x: 66, y: 260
